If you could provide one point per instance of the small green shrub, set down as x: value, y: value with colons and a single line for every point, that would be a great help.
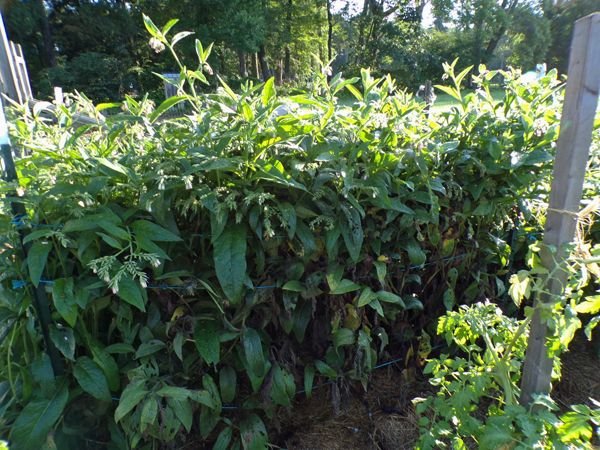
x: 200, y: 269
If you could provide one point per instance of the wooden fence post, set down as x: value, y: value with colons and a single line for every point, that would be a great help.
x: 579, y: 110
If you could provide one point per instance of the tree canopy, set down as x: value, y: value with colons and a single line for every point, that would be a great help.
x: 100, y: 47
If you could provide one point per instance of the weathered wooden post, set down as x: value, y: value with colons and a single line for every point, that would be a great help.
x: 579, y: 110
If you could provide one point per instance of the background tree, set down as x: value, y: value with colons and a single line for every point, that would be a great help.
x: 101, y: 47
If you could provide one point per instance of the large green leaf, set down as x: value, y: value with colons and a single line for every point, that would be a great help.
x: 230, y: 261
x: 206, y: 337
x: 36, y: 260
x: 268, y: 91
x: 91, y: 378
x: 108, y: 365
x: 131, y: 291
x: 253, y: 351
x: 227, y: 383
x: 165, y: 106
x: 283, y: 388
x: 183, y: 412
x: 63, y: 339
x: 253, y: 433
x: 37, y: 418
x: 153, y: 232
x: 132, y: 395
x: 222, y: 442
x: 64, y: 299
x: 352, y: 232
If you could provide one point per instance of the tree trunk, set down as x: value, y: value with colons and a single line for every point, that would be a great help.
x: 287, y: 65
x: 264, y: 65
x: 49, y: 55
x: 329, y: 32
x: 243, y: 68
x: 256, y: 67
x: 280, y: 72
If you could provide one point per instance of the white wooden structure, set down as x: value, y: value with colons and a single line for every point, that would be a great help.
x: 14, y: 79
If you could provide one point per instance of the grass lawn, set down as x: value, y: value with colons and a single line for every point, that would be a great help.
x: 444, y: 102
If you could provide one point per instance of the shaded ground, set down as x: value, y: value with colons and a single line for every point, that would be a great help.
x: 581, y: 374
x: 381, y: 418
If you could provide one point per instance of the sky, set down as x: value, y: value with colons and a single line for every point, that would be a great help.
x: 356, y: 6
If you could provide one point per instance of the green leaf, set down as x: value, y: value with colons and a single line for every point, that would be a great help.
x: 575, y: 427
x: 108, y: 365
x: 377, y: 307
x: 209, y: 419
x: 113, y: 166
x: 132, y: 395
x: 38, y: 234
x: 149, y: 348
x: 209, y: 384
x: 253, y: 433
x: 309, y: 376
x: 178, y: 345
x: 355, y: 92
x: 325, y: 369
x: 294, y: 286
x: 230, y: 261
x: 225, y: 86
x: 174, y: 392
x: 153, y: 232
x: 591, y: 305
x: 381, y: 269
x: 283, y: 388
x: 416, y: 255
x: 64, y: 340
x: 366, y: 296
x: 120, y: 348
x: 253, y: 351
x: 170, y: 24
x: 64, y: 300
x: 152, y: 29
x: 227, y: 383
x: 183, y: 411
x: 345, y: 286
x: 268, y: 91
x: 36, y: 260
x: 223, y: 440
x: 206, y: 338
x: 289, y: 218
x: 166, y: 105
x: 30, y: 429
x: 352, y: 232
x: 91, y: 378
x: 343, y: 336
x: 132, y: 293
x: 179, y: 36
x: 484, y: 209
x: 149, y: 413
x: 390, y: 297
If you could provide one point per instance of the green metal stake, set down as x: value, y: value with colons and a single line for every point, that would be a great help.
x: 18, y: 209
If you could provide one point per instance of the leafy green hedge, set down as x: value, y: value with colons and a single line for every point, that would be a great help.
x: 204, y: 269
